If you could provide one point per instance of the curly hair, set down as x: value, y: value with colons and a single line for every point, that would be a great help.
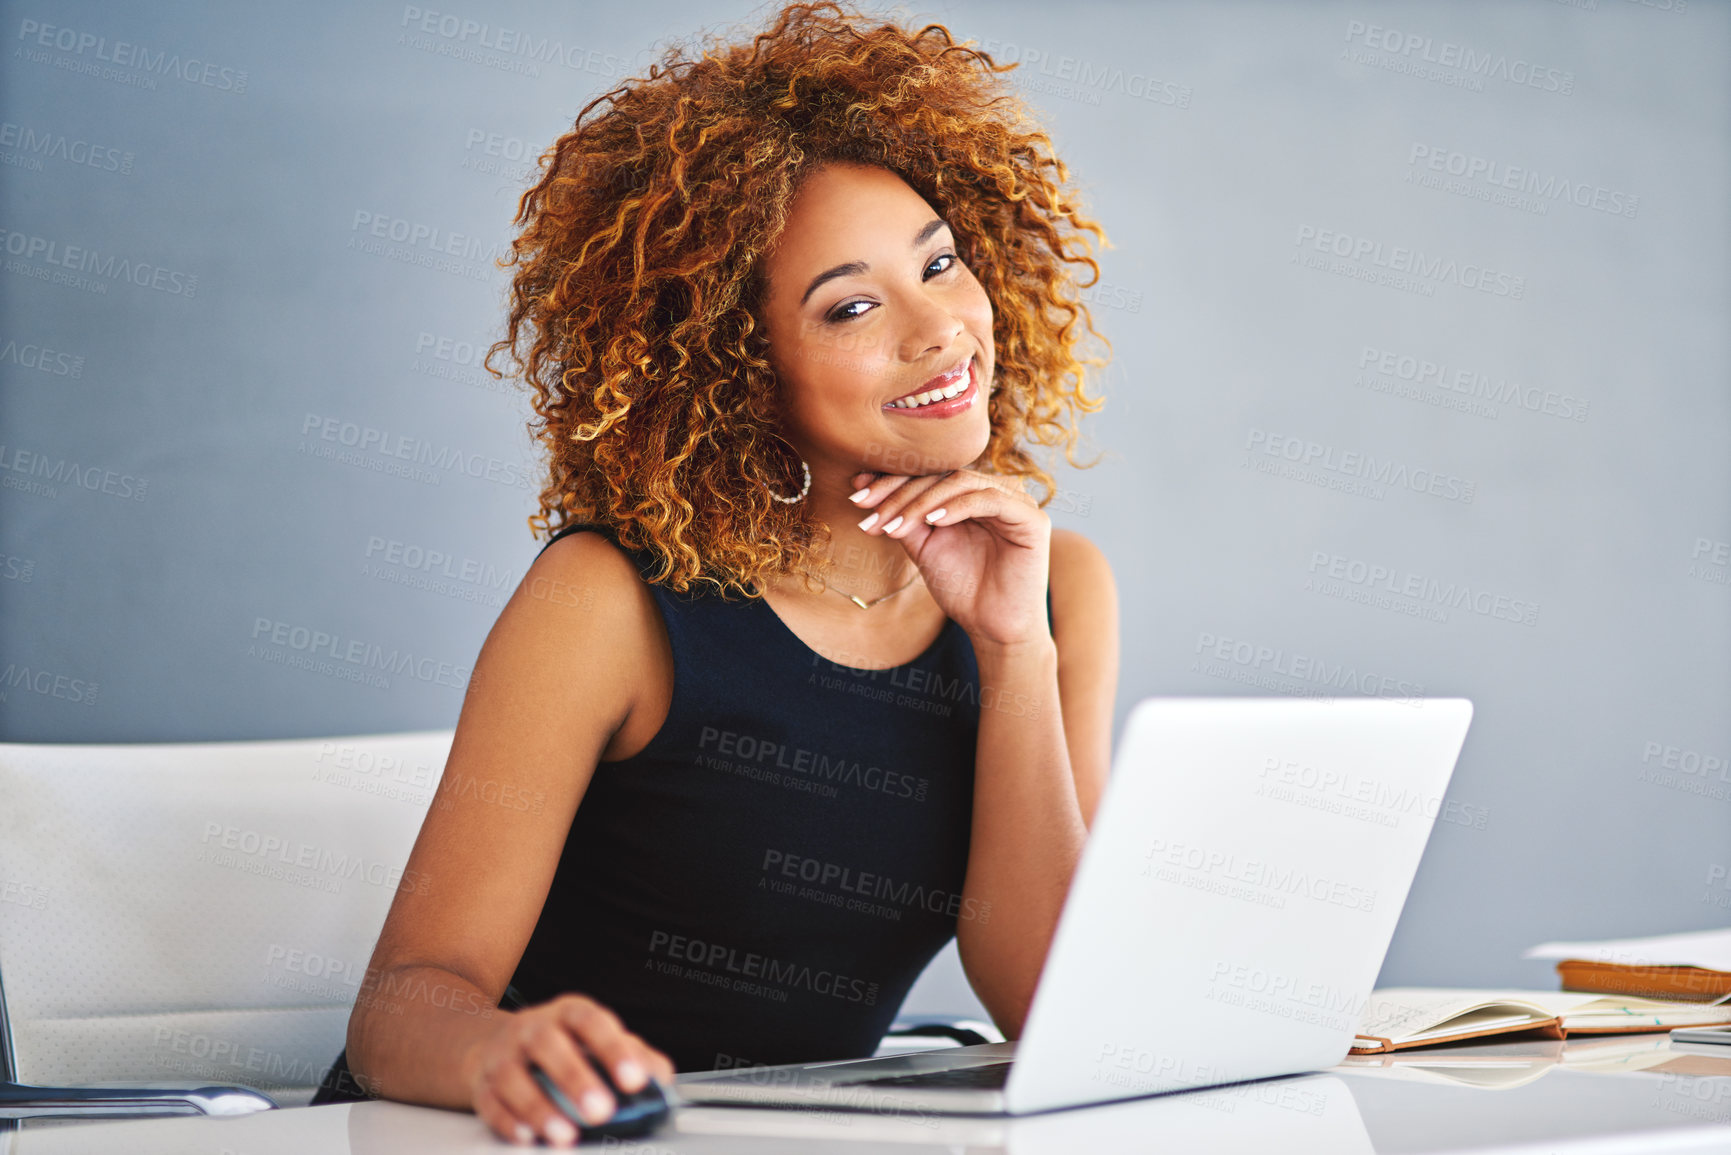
x: 634, y: 305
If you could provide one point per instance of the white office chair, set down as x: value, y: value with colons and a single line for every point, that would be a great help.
x: 182, y: 926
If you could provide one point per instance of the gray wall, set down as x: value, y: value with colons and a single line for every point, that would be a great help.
x: 1420, y: 387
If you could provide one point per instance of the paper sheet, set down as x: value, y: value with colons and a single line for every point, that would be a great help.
x: 1704, y: 948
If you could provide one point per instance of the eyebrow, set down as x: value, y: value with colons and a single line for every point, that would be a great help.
x: 854, y: 268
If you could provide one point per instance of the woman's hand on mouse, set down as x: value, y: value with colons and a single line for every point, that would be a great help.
x: 982, y: 545
x: 550, y: 1035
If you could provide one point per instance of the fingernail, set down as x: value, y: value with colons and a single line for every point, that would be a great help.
x: 630, y: 1075
x: 861, y: 495
x: 596, y: 1106
x: 935, y: 514
x: 560, y: 1132
x: 869, y: 522
x: 890, y: 526
x: 522, y: 1133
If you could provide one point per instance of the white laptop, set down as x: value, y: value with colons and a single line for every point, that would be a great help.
x: 1231, y: 911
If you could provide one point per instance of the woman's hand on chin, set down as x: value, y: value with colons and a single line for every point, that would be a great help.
x: 982, y: 545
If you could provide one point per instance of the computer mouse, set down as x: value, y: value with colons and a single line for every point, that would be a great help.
x: 636, y: 1113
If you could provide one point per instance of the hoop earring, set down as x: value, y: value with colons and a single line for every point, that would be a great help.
x: 803, y: 490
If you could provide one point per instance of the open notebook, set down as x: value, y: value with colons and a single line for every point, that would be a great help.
x: 1399, y: 1017
x: 1497, y: 1068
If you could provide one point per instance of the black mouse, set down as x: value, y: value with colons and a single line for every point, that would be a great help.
x: 636, y: 1113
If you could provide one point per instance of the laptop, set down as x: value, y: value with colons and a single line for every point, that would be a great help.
x: 1226, y: 923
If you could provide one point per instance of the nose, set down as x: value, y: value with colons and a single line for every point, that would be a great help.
x: 928, y: 329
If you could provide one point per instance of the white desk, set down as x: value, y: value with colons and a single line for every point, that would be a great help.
x: 1631, y: 1095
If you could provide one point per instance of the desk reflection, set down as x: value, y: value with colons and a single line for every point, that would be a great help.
x: 1602, y: 1095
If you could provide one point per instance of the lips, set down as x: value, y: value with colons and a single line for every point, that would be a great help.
x: 940, y: 388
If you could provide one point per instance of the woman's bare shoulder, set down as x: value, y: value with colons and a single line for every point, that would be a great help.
x: 585, y: 600
x: 583, y: 635
x: 1080, y: 574
x: 560, y: 680
x: 582, y: 570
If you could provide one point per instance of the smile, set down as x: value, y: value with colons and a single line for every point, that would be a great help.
x: 943, y: 395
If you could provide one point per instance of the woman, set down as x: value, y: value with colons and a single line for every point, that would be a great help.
x: 804, y: 683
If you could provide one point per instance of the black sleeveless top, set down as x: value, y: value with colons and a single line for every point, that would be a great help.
x: 765, y: 880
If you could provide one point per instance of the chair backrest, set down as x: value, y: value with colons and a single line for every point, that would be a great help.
x: 198, y: 912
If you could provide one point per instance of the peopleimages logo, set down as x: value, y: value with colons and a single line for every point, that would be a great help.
x: 524, y: 49
x: 1354, y: 467
x: 339, y: 865
x: 1478, y: 170
x: 87, y: 45
x: 34, y: 145
x: 1421, y: 371
x: 1251, y: 986
x: 721, y: 960
x: 763, y: 754
x: 461, y: 362
x: 1257, y: 880
x: 832, y: 877
x: 1401, y: 583
x: 1710, y: 561
x: 423, y: 245
x: 82, y: 259
x: 1415, y: 49
x: 1085, y: 77
x: 1687, y: 760
x: 41, y: 358
x: 43, y: 476
x: 469, y: 354
x: 1354, y: 796
x: 436, y: 566
x: 48, y: 684
x: 418, y: 234
x: 494, y: 153
x: 1278, y: 669
x: 1402, y: 267
x: 384, y: 452
x: 355, y: 653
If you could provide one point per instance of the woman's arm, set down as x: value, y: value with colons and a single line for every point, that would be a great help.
x: 1042, y: 759
x: 988, y: 553
x: 565, y: 678
x: 1085, y: 629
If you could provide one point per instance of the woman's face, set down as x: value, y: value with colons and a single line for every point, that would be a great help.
x: 868, y: 309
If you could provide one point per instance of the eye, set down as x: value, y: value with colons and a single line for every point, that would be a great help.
x: 950, y: 257
x: 840, y: 312
x: 947, y: 261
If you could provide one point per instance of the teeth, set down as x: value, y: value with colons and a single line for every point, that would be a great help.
x: 953, y: 389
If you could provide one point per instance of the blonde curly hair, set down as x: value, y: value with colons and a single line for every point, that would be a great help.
x: 633, y: 310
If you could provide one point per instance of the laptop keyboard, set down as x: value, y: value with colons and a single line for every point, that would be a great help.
x: 981, y: 1076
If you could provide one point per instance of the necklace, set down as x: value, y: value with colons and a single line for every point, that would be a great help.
x: 865, y: 605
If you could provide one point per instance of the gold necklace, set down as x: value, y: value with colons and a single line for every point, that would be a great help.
x: 865, y: 605
x: 855, y: 598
